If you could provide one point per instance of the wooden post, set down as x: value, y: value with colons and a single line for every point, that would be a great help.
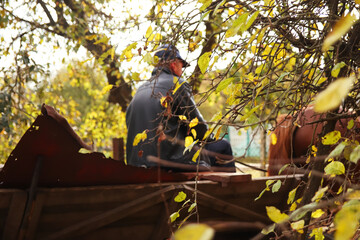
x: 263, y: 149
x: 118, y: 149
x: 31, y: 197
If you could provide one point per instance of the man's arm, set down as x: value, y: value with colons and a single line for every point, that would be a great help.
x: 185, y: 105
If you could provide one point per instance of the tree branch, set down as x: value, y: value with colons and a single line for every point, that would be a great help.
x: 46, y: 10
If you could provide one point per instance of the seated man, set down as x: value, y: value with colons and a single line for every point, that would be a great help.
x: 158, y: 109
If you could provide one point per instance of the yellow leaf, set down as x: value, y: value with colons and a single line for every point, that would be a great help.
x: 180, y: 197
x: 163, y: 102
x: 106, y: 89
x: 175, y: 79
x: 347, y: 220
x: 340, y: 190
x: 196, y: 155
x: 188, y: 141
x: 293, y: 207
x: 331, y: 138
x: 333, y: 95
x: 194, y: 232
x: 140, y: 137
x: 273, y: 138
x: 275, y: 215
x: 350, y: 124
x: 217, y: 135
x: 317, y: 233
x: 182, y: 117
x: 158, y: 37
x: 216, y: 117
x: 354, y: 194
x: 174, y: 216
x: 177, y: 86
x: 148, y: 32
x: 203, y: 61
x: 339, y: 30
x: 298, y: 226
x: 318, y: 213
x: 193, y: 131
x: 127, y: 51
x: 194, y: 122
x: 208, y: 132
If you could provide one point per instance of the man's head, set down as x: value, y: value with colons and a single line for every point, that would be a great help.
x: 169, y: 55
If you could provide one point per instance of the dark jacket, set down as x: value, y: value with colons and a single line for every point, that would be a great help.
x: 145, y: 111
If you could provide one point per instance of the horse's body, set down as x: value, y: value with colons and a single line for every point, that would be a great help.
x: 295, y: 137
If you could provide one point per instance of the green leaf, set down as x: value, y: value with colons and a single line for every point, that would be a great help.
x: 281, y: 77
x: 194, y: 232
x: 275, y: 215
x: 300, y: 212
x: 148, y: 58
x: 355, y: 155
x: 249, y: 113
x: 268, y: 230
x: 205, y: 3
x: 283, y: 168
x: 180, y: 197
x: 262, y: 193
x: 267, y: 188
x: 186, y: 202
x: 174, y: 216
x: 192, y: 207
x: 331, y: 138
x: 236, y: 26
x: 339, y: 30
x: 251, y: 20
x: 269, y: 182
x: 219, y: 5
x: 337, y: 151
x: 291, y: 197
x: 333, y: 95
x: 319, y: 194
x: 223, y: 84
x: 335, y: 167
x: 336, y: 69
x: 203, y: 61
x: 276, y: 186
x: 350, y: 124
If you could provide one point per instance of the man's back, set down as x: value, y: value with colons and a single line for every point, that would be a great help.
x: 146, y: 112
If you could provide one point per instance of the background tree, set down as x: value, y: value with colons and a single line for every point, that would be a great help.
x: 78, y: 92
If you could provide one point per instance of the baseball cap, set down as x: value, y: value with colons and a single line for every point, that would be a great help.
x: 168, y: 52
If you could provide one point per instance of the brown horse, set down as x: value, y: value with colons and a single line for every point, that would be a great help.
x: 296, y: 136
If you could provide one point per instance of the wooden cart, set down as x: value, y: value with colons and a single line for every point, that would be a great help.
x: 49, y: 190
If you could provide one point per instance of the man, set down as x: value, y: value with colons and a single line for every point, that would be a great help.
x: 158, y: 117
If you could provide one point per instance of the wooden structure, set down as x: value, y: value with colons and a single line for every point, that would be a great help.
x: 48, y: 190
